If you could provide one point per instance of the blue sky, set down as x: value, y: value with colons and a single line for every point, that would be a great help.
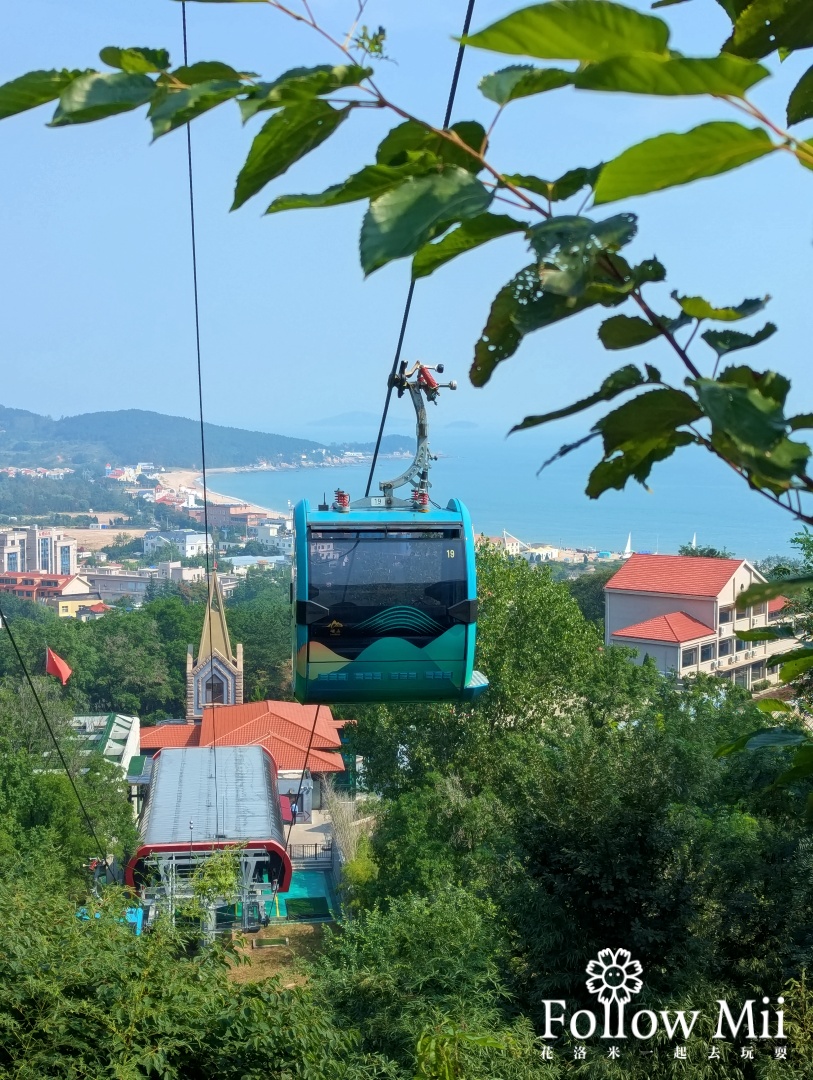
x: 96, y: 279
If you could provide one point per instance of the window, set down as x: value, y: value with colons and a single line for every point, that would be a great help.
x: 12, y: 561
x: 45, y: 554
x: 742, y: 612
x: 741, y: 677
x: 758, y: 671
x: 758, y: 609
x: 376, y: 584
x: 726, y: 647
x: 706, y: 652
x: 726, y: 614
x: 689, y: 658
x: 215, y: 691
x: 741, y: 645
x: 65, y: 559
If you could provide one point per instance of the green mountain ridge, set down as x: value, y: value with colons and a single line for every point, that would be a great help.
x: 127, y: 436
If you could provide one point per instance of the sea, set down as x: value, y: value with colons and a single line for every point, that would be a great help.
x: 498, y: 478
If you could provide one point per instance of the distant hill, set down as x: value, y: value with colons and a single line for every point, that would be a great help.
x: 130, y: 435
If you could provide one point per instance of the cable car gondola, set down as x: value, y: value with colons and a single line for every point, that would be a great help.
x: 384, y: 592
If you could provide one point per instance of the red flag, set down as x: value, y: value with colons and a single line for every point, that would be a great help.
x: 55, y: 665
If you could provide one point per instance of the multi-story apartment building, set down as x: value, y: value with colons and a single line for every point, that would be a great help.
x: 42, y: 588
x: 47, y: 551
x: 683, y: 613
x: 188, y: 542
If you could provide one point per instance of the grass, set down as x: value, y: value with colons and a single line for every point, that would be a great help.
x: 304, y: 943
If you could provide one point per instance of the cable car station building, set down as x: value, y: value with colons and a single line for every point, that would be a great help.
x: 202, y: 800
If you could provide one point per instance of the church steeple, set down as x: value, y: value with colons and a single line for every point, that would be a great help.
x: 216, y: 676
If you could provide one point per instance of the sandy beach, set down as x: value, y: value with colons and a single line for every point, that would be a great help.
x: 191, y: 478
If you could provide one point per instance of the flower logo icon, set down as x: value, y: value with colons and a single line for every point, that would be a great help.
x: 614, y: 976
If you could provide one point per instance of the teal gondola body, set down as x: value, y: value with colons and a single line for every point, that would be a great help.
x: 385, y: 605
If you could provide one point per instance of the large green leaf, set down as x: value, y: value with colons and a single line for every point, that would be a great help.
x: 672, y: 76
x: 699, y: 308
x: 568, y: 247
x: 726, y: 341
x: 802, y: 662
x: 670, y: 160
x: 33, y: 89
x: 283, y: 139
x: 765, y: 634
x: 95, y: 96
x: 626, y: 378
x: 521, y: 307
x: 625, y: 331
x: 800, y: 104
x: 402, y: 220
x: 522, y: 80
x: 745, y: 416
x: 413, y: 138
x: 206, y: 71
x: 767, y: 590
x: 766, y: 25
x: 777, y: 737
x: 651, y: 415
x: 556, y: 190
x: 176, y: 108
x: 136, y: 60
x: 468, y: 235
x: 634, y: 462
x: 586, y: 30
x: 369, y: 183
x: 771, y: 705
x: 300, y: 85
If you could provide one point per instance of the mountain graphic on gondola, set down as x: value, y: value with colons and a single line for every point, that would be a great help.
x: 445, y: 653
x: 400, y: 617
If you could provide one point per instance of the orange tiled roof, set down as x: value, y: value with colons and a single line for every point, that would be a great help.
x: 682, y: 575
x: 676, y: 627
x: 777, y: 604
x: 282, y: 727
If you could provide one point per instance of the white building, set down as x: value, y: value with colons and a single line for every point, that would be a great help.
x: 683, y: 611
x: 189, y: 543
x: 116, y: 736
x: 48, y: 551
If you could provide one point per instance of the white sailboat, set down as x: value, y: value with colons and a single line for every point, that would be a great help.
x: 628, y: 549
x: 694, y: 542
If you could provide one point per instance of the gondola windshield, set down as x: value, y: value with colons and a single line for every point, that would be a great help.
x: 375, y: 585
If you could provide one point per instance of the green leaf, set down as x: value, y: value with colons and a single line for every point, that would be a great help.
x: 726, y: 341
x: 33, y: 89
x: 586, y: 30
x: 744, y: 415
x: 769, y: 384
x: 666, y: 3
x: 521, y: 307
x: 300, y: 85
x: 96, y: 96
x: 135, y: 61
x: 672, y: 76
x: 468, y: 235
x: 651, y: 415
x: 770, y: 705
x: 802, y: 662
x: 283, y: 139
x: 803, y: 420
x: 176, y: 108
x: 413, y: 138
x: 758, y: 635
x: 625, y: 331
x: 634, y: 462
x: 669, y: 160
x: 767, y: 590
x: 557, y: 190
x: 800, y: 103
x: 568, y: 247
x: 777, y: 737
x: 369, y: 183
x: 766, y: 25
x: 402, y: 220
x: 206, y: 71
x: 698, y: 308
x: 520, y: 81
x: 626, y: 378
